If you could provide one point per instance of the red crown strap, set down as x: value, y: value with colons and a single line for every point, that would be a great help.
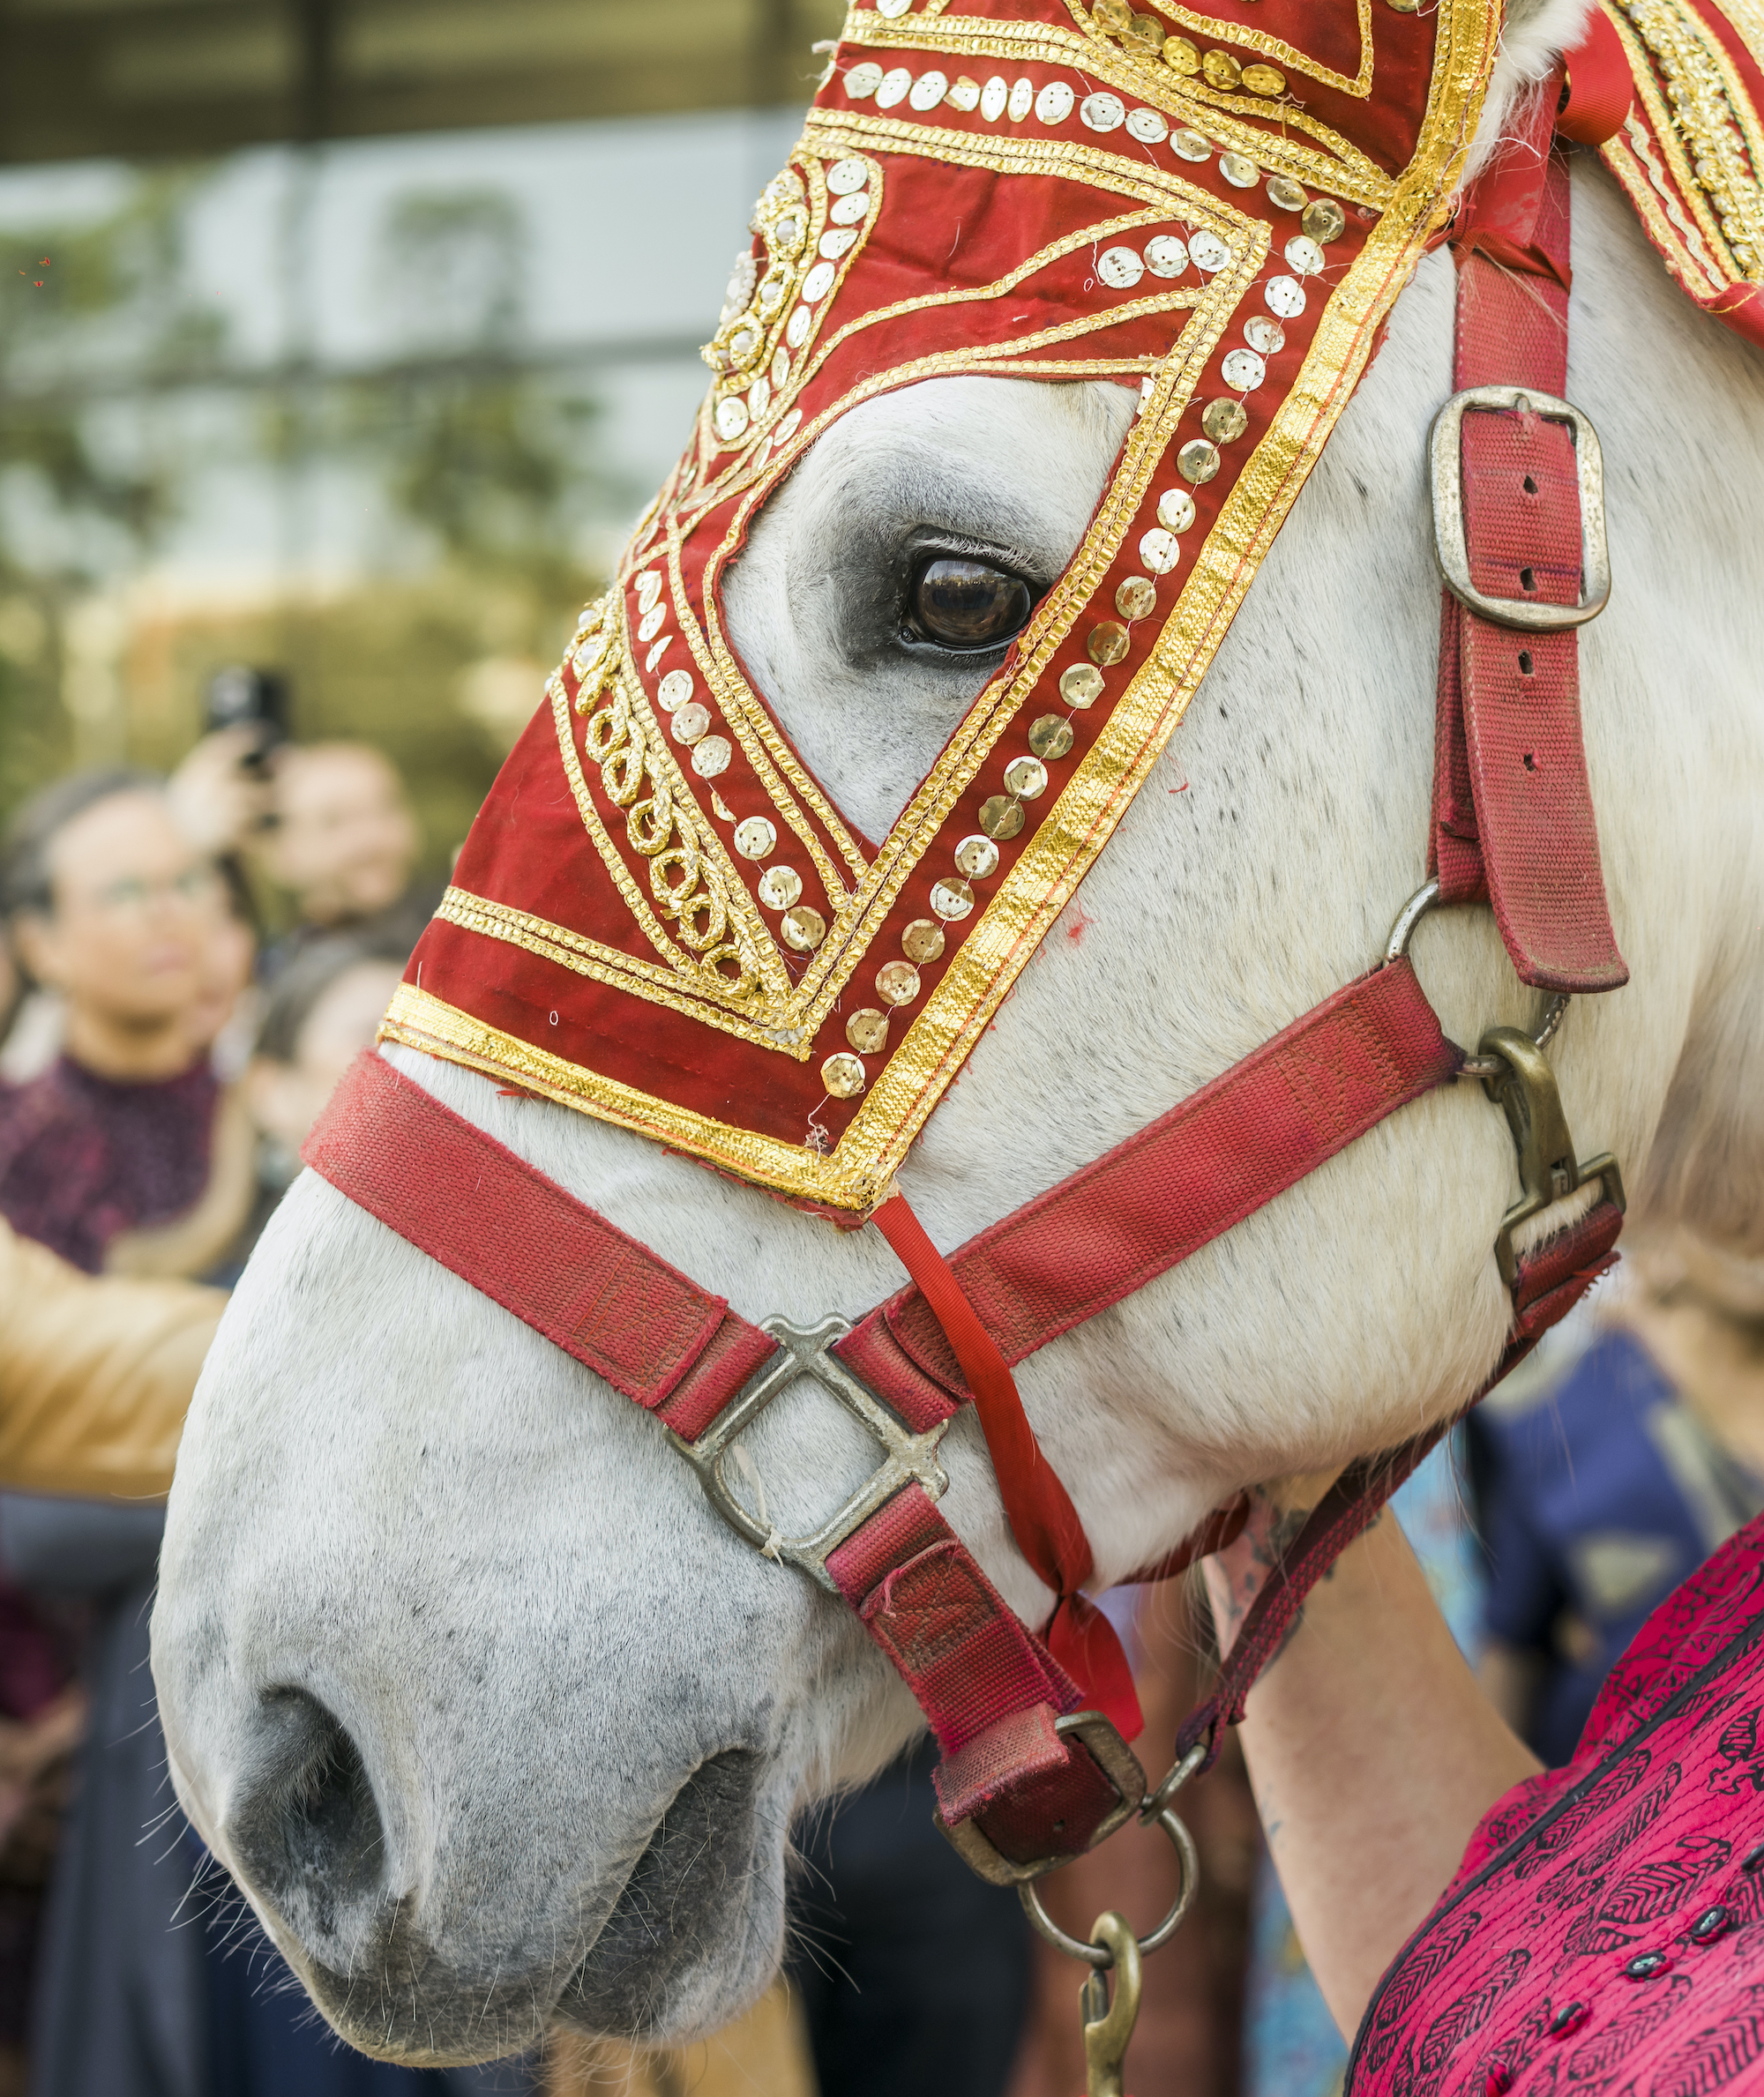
x: 1513, y: 811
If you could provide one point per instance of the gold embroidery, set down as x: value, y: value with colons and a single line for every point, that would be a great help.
x: 855, y: 1174
x: 1711, y: 135
x: 1185, y: 95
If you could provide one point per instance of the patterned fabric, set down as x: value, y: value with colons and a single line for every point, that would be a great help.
x: 83, y: 1159
x: 1596, y: 1500
x: 661, y: 917
x: 1691, y: 153
x: 1605, y: 1932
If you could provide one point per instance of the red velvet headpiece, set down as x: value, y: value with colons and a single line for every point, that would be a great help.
x: 659, y: 916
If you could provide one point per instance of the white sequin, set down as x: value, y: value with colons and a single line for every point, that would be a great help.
x: 1119, y: 268
x: 759, y: 398
x: 787, y: 427
x: 1022, y: 100
x: 1243, y: 370
x: 861, y: 83
x: 731, y: 418
x: 673, y: 689
x: 846, y: 177
x: 780, y: 367
x: 711, y: 756
x: 819, y: 282
x: 798, y: 332
x: 834, y: 241
x: 1147, y: 126
x: 929, y: 90
x: 653, y: 621
x: 648, y: 588
x: 1159, y: 551
x: 847, y: 211
x: 1263, y: 333
x: 965, y: 95
x: 1176, y: 508
x: 1166, y: 255
x: 1102, y: 112
x: 892, y: 10
x: 993, y: 97
x: 1284, y: 295
x: 658, y: 652
x: 1206, y: 251
x: 893, y: 88
x: 1303, y: 256
x: 690, y: 721
x: 1054, y: 103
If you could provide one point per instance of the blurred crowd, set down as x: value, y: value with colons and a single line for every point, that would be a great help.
x: 187, y: 966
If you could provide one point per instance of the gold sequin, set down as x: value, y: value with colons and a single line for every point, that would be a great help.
x: 951, y: 899
x: 897, y: 982
x: 977, y: 857
x: 1026, y: 777
x: 1263, y: 79
x: 1221, y: 70
x: 779, y: 886
x: 1136, y: 598
x: 1197, y: 461
x: 868, y: 1031
x: 1285, y: 194
x: 1082, y: 685
x: 1324, y: 219
x: 1049, y: 737
x: 1239, y: 169
x: 843, y: 1076
x: 1181, y: 54
x: 922, y: 941
x: 1115, y: 16
x: 999, y: 814
x: 1108, y: 642
x: 1224, y: 420
x: 1145, y: 33
x: 802, y: 928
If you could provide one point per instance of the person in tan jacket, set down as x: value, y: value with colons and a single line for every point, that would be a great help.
x: 95, y: 1374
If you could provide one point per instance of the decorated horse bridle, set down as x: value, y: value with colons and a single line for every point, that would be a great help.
x: 608, y: 876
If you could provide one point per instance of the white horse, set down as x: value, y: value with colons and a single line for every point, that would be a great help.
x: 489, y: 1712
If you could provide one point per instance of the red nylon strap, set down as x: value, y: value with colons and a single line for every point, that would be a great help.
x: 988, y: 1686
x: 471, y: 1203
x: 1513, y: 814
x: 1552, y: 1279
x: 1042, y: 1518
x: 1600, y: 88
x: 1214, y: 1159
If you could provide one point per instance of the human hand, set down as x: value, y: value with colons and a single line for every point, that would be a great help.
x: 218, y: 796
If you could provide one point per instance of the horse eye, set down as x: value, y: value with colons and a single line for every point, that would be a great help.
x: 965, y: 604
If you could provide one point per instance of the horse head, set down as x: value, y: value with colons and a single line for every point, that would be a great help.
x: 491, y: 1715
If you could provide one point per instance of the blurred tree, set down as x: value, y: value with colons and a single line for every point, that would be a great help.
x: 87, y: 316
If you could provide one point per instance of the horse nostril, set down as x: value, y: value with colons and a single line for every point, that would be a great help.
x: 308, y: 1832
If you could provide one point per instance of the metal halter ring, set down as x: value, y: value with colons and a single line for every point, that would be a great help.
x: 1426, y: 898
x: 1099, y: 1955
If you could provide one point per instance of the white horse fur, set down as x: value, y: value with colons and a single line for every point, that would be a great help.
x: 489, y: 1714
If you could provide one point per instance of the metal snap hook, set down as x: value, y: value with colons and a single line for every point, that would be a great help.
x: 1426, y: 898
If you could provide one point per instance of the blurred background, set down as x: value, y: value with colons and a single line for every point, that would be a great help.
x: 343, y: 337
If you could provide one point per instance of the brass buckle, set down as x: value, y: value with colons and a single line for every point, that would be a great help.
x: 1525, y: 1090
x: 1111, y: 1754
x: 908, y: 1459
x: 1451, y: 549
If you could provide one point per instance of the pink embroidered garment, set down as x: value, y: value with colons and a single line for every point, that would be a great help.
x: 1605, y: 1931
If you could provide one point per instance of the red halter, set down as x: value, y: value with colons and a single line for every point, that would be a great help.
x: 1035, y: 1766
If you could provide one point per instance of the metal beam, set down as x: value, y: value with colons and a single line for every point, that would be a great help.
x: 150, y: 79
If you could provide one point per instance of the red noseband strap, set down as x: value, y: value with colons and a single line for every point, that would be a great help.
x: 949, y: 1338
